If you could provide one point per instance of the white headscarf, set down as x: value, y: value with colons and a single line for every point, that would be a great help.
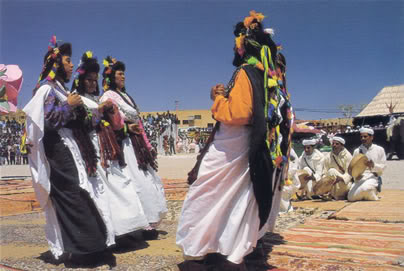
x: 309, y: 142
x: 338, y: 139
x: 366, y: 131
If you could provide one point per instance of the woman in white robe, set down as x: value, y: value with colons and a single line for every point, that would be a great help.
x: 140, y: 170
x: 115, y: 188
x: 77, y: 223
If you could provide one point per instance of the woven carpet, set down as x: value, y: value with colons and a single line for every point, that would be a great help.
x: 322, y: 244
x: 388, y: 208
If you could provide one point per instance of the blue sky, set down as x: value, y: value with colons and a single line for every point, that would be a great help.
x: 338, y: 52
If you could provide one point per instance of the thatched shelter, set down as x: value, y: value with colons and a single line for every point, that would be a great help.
x: 389, y: 101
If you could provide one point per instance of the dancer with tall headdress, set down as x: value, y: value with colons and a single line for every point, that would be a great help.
x: 228, y: 205
x: 139, y: 156
x: 112, y: 184
x: 75, y: 223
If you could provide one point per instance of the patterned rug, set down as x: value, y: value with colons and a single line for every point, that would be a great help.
x: 322, y: 244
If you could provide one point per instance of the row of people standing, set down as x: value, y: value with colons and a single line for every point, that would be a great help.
x: 13, y: 155
x: 93, y: 168
x: 328, y: 175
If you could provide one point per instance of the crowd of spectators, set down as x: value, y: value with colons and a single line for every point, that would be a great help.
x: 11, y: 133
x: 160, y: 125
x: 191, y: 141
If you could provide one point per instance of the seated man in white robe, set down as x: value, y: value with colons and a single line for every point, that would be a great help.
x: 336, y: 165
x: 367, y: 186
x: 311, y: 161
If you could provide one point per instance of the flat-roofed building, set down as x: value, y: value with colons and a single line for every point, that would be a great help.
x: 18, y: 116
x: 189, y: 118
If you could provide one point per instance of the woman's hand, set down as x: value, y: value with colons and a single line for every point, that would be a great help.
x: 134, y: 128
x: 105, y: 107
x: 74, y: 100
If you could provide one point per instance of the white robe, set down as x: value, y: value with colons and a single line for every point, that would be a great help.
x: 365, y: 188
x: 314, y: 161
x: 340, y: 190
x: 40, y: 169
x: 116, y: 191
x: 147, y: 184
x: 220, y: 212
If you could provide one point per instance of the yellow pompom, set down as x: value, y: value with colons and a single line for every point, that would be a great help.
x: 105, y: 63
x: 89, y: 54
x: 272, y: 83
x: 52, y: 74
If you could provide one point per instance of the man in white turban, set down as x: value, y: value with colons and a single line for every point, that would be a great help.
x: 367, y: 186
x: 336, y: 165
x: 311, y: 161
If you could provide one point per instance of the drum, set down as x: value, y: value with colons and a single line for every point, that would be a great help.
x: 301, y: 174
x: 323, y: 186
x: 357, y: 165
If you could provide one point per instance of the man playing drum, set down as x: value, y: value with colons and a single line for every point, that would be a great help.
x: 310, y: 168
x: 336, y: 179
x: 367, y: 186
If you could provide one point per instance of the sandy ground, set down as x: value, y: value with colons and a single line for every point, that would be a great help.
x: 176, y: 166
x: 170, y: 167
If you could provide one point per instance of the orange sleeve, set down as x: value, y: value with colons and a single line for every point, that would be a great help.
x: 237, y: 108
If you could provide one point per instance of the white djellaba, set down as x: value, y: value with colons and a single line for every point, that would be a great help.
x: 126, y: 209
x: 148, y: 184
x: 40, y: 169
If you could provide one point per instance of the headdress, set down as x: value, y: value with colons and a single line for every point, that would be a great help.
x: 50, y: 62
x: 366, y: 131
x: 338, y: 139
x: 88, y: 63
x: 111, y: 65
x: 249, y: 34
x: 309, y: 142
x: 244, y: 30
